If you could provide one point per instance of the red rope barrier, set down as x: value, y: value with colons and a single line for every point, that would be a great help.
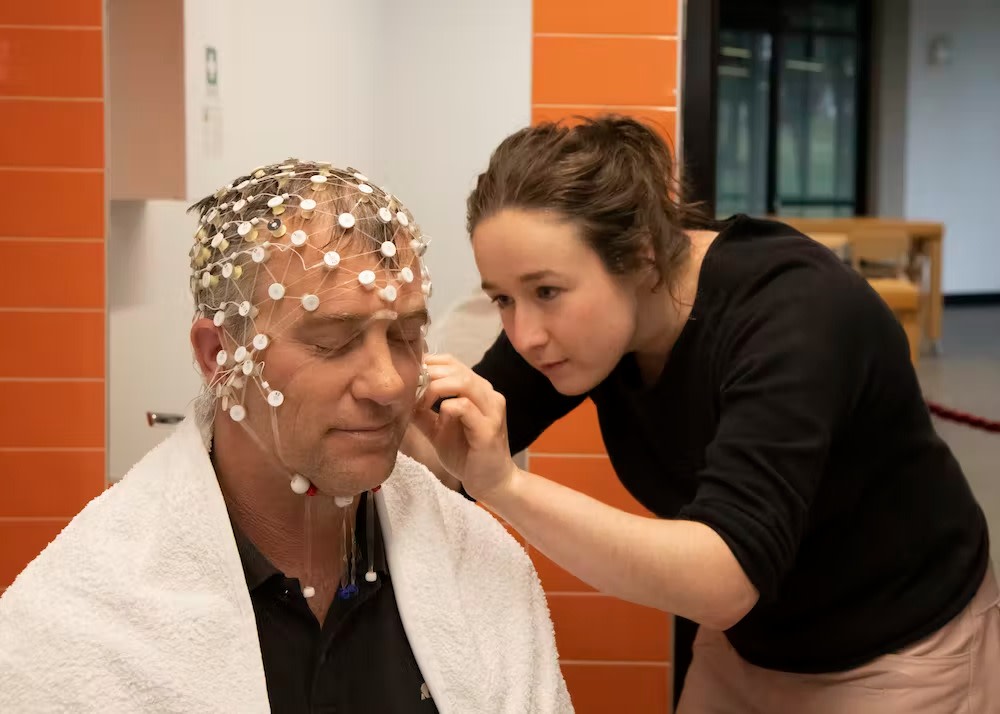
x: 976, y: 422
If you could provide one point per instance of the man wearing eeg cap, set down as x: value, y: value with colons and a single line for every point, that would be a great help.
x: 253, y: 561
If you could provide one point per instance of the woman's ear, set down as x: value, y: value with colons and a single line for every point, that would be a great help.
x: 649, y: 270
x: 206, y: 340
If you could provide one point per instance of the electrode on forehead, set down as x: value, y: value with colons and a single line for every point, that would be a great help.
x: 310, y: 303
x: 260, y: 342
x: 275, y: 204
x: 307, y: 206
x: 299, y: 238
x: 276, y: 291
x: 367, y: 279
x: 331, y: 259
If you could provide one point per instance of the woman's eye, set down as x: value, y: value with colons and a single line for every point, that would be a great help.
x: 502, y: 301
x: 547, y: 292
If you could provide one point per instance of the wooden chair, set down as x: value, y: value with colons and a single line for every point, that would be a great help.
x: 904, y: 299
x: 880, y: 252
x: 839, y: 243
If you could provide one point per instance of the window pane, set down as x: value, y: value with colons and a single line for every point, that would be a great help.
x: 818, y: 121
x: 744, y: 111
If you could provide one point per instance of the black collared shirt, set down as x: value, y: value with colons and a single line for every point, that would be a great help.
x: 359, y: 660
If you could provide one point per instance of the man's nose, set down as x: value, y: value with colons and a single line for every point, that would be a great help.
x: 379, y: 380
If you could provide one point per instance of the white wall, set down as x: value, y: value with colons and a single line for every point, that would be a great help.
x: 460, y: 79
x: 149, y: 316
x: 415, y: 94
x: 889, y: 102
x: 953, y: 136
x: 299, y: 78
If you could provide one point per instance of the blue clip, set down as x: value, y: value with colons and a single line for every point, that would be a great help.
x: 348, y: 592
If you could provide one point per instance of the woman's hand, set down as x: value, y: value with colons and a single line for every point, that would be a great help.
x: 470, y: 431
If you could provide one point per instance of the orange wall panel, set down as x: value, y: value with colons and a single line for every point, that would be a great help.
x: 593, y: 57
x: 52, y: 12
x: 21, y: 542
x: 53, y: 345
x: 604, y: 70
x: 589, y: 474
x: 48, y: 484
x: 638, y: 17
x: 53, y: 204
x: 52, y: 414
x: 52, y: 134
x: 602, y: 628
x: 606, y: 688
x: 46, y: 62
x: 52, y: 299
x: 576, y: 433
x: 54, y: 275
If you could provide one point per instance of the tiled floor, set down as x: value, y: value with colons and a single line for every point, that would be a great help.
x: 966, y: 376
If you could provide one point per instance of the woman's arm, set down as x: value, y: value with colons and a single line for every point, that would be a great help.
x: 681, y: 567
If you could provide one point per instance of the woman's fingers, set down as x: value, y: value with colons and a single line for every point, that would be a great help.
x: 438, y: 359
x: 477, y: 426
x: 458, y: 381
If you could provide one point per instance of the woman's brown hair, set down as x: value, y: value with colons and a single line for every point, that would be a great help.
x: 612, y: 176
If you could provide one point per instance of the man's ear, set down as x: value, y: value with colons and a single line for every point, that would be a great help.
x: 206, y: 340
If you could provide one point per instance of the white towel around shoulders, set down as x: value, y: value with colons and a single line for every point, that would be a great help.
x: 140, y: 604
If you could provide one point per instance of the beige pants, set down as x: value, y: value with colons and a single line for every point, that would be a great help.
x: 954, y: 671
